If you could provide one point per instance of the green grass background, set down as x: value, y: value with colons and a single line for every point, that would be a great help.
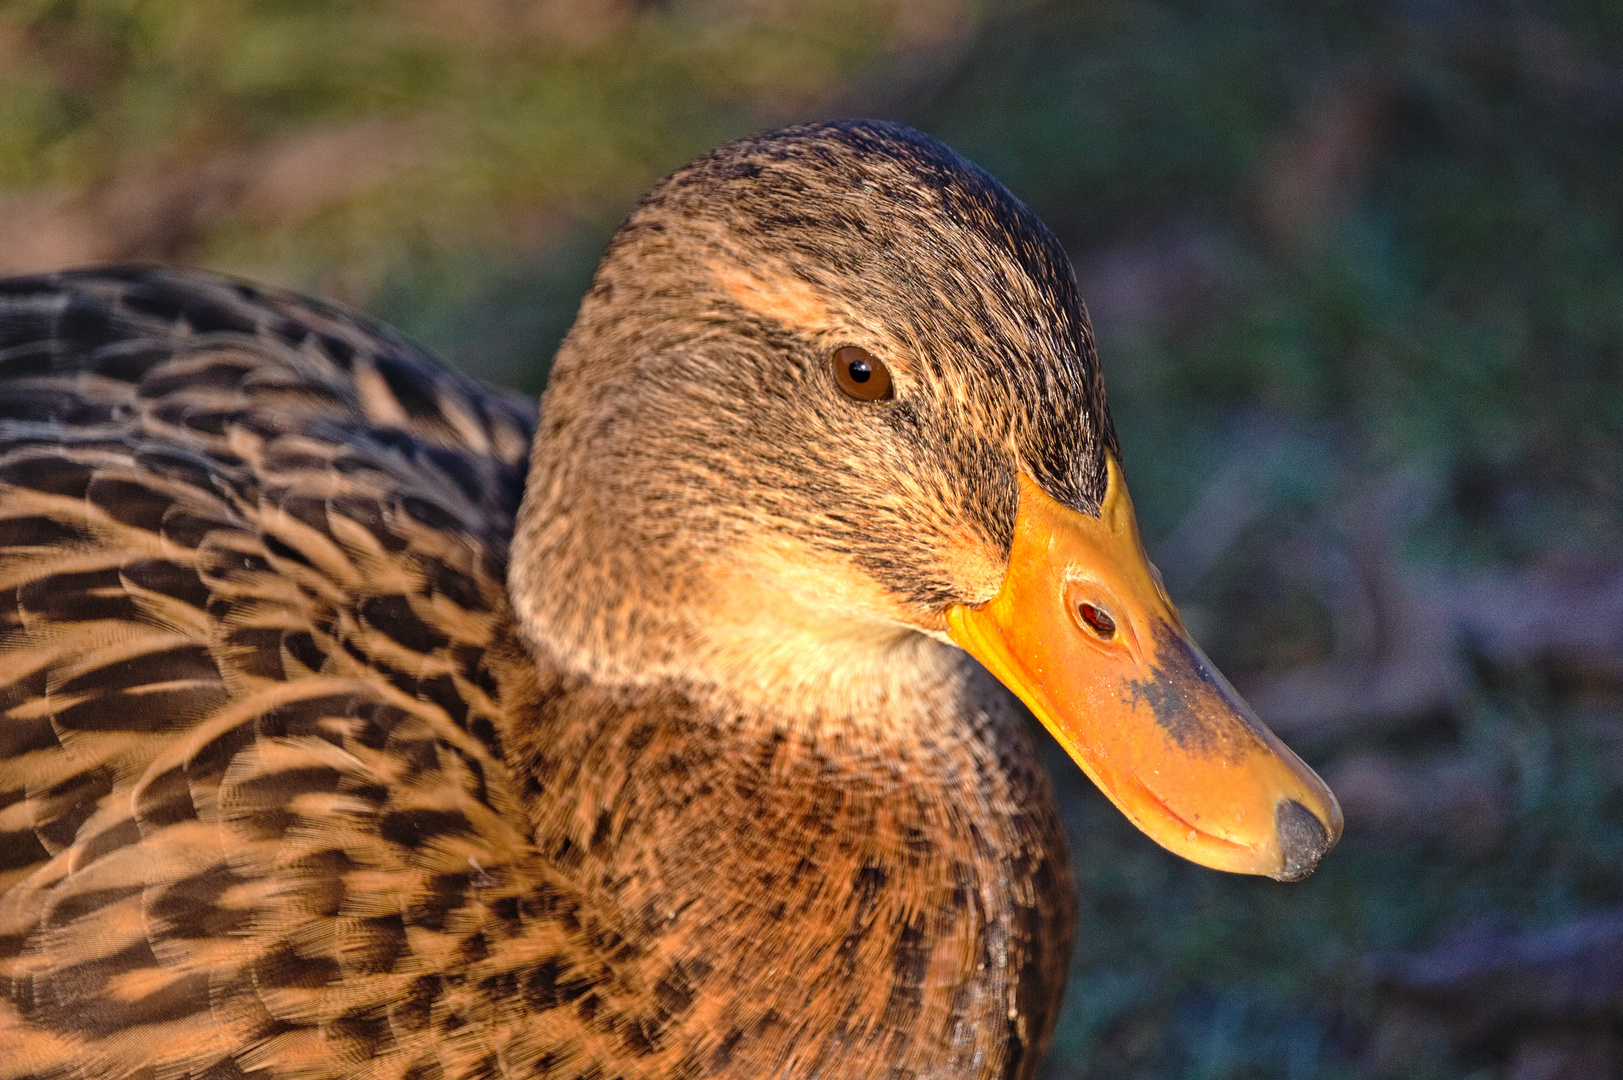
x: 1366, y: 256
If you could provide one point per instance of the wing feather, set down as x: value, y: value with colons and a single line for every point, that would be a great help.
x: 251, y: 559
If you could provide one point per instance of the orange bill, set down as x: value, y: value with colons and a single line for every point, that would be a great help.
x: 1084, y: 633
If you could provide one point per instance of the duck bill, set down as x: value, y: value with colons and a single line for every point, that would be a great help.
x: 1082, y: 630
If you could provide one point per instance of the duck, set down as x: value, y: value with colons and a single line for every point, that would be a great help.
x: 358, y: 719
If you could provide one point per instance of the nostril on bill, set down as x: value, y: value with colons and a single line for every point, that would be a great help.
x: 1301, y: 837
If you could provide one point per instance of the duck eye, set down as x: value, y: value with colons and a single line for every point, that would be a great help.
x: 861, y: 374
x: 1098, y: 620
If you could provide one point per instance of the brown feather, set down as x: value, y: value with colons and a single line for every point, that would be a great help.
x: 287, y: 788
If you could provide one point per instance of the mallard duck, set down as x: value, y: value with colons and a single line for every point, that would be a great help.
x: 353, y: 725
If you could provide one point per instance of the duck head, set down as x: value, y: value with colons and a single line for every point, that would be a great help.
x: 831, y: 417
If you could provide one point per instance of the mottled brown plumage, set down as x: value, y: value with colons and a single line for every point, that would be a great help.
x: 298, y: 780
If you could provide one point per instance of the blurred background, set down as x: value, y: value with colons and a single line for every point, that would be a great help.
x: 1357, y: 274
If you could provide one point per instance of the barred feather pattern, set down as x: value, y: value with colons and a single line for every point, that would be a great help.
x: 257, y: 669
x: 253, y: 807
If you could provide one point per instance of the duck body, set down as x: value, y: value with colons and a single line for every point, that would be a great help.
x: 355, y: 724
x: 262, y: 813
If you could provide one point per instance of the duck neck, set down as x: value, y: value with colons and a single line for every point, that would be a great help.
x: 766, y: 869
x: 738, y: 614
